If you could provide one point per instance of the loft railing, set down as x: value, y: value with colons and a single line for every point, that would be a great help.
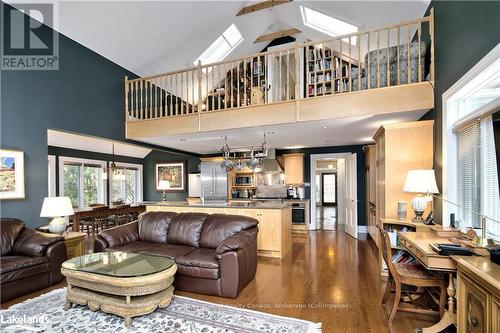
x: 395, y: 55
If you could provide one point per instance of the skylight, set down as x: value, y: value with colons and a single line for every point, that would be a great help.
x: 222, y: 46
x: 327, y: 24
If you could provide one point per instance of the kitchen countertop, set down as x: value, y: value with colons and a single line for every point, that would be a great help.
x: 249, y: 205
x: 284, y: 200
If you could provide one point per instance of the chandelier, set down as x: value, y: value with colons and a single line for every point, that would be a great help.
x: 238, y: 158
x: 117, y: 173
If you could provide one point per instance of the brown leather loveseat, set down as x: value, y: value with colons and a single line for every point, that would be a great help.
x: 215, y: 254
x: 30, y: 260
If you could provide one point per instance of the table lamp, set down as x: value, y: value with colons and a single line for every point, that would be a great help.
x: 422, y: 182
x: 57, y: 208
x: 164, y: 185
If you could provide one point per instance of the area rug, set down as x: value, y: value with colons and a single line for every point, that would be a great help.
x: 45, y: 314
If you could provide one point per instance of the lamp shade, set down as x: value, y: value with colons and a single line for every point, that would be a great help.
x: 163, y: 185
x: 421, y: 181
x: 56, y: 206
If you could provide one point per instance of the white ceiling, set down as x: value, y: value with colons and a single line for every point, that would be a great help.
x: 94, y: 144
x: 150, y: 37
x: 339, y: 132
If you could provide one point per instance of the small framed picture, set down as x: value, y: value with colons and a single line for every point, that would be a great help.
x: 170, y: 176
x: 11, y: 174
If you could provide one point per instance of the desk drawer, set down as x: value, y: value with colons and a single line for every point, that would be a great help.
x: 415, y: 251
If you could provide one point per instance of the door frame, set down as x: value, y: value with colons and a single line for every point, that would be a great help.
x: 328, y: 204
x: 313, y: 159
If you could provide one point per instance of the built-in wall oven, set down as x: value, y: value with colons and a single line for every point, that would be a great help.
x: 298, y: 214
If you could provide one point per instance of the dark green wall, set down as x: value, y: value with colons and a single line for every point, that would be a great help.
x: 84, y: 96
x: 357, y: 149
x: 465, y: 31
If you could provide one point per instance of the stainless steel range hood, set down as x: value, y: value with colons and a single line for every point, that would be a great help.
x: 270, y: 164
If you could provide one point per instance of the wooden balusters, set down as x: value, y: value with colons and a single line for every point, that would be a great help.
x: 350, y: 66
x: 408, y: 59
x: 360, y: 66
x: 398, y: 68
x: 378, y: 59
x: 388, y: 57
x: 231, y: 84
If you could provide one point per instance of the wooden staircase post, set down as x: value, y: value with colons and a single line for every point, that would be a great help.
x: 297, y: 79
x: 200, y: 96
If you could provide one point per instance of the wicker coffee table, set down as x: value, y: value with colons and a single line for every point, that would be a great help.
x: 121, y: 283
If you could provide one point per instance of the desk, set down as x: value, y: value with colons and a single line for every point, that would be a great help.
x: 417, y: 243
x: 86, y: 213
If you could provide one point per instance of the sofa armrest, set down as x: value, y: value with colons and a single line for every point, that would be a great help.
x: 237, y: 241
x: 119, y: 235
x: 57, y: 255
x: 33, y: 243
x: 100, y: 244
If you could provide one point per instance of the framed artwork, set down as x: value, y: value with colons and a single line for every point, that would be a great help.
x: 172, y: 172
x: 11, y: 174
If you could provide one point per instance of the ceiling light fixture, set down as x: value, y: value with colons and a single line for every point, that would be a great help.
x: 325, y: 127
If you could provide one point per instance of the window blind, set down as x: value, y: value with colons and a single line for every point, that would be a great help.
x: 469, y: 194
x: 490, y: 203
x: 477, y: 175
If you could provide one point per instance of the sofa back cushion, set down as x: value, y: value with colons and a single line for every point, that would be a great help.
x: 33, y: 243
x: 218, y: 227
x: 9, y: 230
x: 153, y: 226
x: 124, y: 234
x: 185, y: 229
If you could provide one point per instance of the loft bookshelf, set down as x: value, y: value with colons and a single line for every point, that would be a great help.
x: 327, y: 71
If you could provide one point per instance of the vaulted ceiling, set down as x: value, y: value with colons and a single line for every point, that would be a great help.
x: 149, y: 37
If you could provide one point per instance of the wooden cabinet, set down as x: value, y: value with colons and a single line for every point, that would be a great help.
x: 75, y: 244
x: 478, y: 292
x: 399, y: 148
x: 370, y: 177
x: 294, y: 169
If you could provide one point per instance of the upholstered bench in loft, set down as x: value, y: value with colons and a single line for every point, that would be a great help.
x: 391, y: 52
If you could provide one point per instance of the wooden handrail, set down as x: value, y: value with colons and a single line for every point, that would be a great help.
x: 331, y: 66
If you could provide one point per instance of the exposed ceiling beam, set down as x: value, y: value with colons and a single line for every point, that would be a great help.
x: 260, y: 6
x: 278, y: 34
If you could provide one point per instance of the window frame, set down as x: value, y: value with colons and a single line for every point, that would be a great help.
x: 452, y: 109
x: 82, y: 161
x: 232, y: 47
x: 52, y: 188
x: 139, y: 180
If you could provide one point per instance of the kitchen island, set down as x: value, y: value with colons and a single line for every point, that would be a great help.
x: 275, y: 220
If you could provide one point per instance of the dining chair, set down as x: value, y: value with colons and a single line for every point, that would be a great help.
x: 410, y: 275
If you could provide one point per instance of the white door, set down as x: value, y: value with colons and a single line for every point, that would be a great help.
x: 351, y: 201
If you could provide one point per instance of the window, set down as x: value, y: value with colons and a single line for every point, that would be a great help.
x: 51, y: 176
x: 469, y: 162
x: 222, y: 46
x: 126, y: 183
x: 82, y: 181
x: 477, y: 175
x: 327, y: 24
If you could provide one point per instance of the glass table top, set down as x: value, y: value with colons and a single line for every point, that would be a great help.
x: 119, y: 264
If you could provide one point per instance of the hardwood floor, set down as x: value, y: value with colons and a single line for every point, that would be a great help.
x: 328, y: 277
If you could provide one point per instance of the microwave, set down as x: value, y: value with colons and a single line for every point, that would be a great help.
x: 243, y: 180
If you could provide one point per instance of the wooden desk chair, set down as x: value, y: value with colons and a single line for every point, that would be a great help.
x: 412, y: 275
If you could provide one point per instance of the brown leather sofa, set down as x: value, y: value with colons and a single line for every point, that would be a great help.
x: 30, y: 260
x: 215, y: 254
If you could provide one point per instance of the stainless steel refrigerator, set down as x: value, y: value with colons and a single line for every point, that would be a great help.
x: 213, y: 181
